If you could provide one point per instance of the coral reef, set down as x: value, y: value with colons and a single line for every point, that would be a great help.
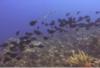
x: 68, y: 44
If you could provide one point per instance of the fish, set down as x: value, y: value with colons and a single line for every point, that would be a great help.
x: 28, y: 33
x: 59, y: 29
x: 80, y: 18
x: 78, y: 12
x: 62, y: 22
x: 17, y: 33
x: 52, y: 23
x: 45, y: 38
x: 32, y: 23
x: 67, y: 14
x: 38, y: 27
x: 51, y: 31
x: 97, y: 12
x: 37, y: 32
x: 46, y: 24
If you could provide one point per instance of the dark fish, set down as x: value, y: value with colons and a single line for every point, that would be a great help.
x: 34, y: 38
x: 86, y: 16
x: 32, y: 23
x: 97, y: 20
x: 97, y: 12
x: 17, y: 33
x: 46, y: 24
x: 45, y: 38
x: 59, y: 29
x: 80, y: 18
x: 51, y: 31
x: 72, y: 22
x: 38, y: 27
x: 37, y: 32
x: 28, y: 33
x: 42, y: 23
x: 73, y: 25
x: 62, y: 22
x: 82, y: 25
x: 78, y: 12
x: 24, y: 38
x: 67, y: 14
x: 41, y: 46
x: 52, y: 23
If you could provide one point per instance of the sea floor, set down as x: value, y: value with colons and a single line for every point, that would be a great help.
x: 78, y: 47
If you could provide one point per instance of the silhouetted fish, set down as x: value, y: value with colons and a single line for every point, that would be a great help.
x: 37, y: 32
x: 80, y: 18
x: 62, y: 22
x: 97, y: 12
x: 24, y: 38
x: 46, y: 24
x: 51, y: 31
x: 78, y: 12
x: 17, y: 33
x: 97, y: 20
x: 38, y: 27
x: 42, y: 23
x: 52, y: 23
x: 59, y: 29
x: 86, y: 16
x: 67, y: 14
x: 45, y: 38
x: 34, y: 38
x: 28, y: 33
x: 32, y: 23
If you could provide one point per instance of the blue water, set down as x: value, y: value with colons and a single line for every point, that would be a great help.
x: 16, y: 14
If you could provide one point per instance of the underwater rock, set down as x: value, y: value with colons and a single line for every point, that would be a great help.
x: 37, y: 44
x: 14, y: 40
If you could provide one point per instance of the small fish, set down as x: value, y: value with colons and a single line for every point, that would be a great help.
x: 28, y: 33
x: 24, y: 38
x: 86, y: 16
x: 42, y: 23
x: 62, y: 22
x: 46, y: 24
x: 97, y: 20
x: 38, y: 27
x: 37, y: 32
x: 52, y: 23
x: 97, y: 12
x: 32, y: 23
x: 17, y: 33
x: 80, y: 18
x: 67, y: 14
x: 34, y: 38
x: 78, y: 12
x: 45, y: 38
x: 51, y: 31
